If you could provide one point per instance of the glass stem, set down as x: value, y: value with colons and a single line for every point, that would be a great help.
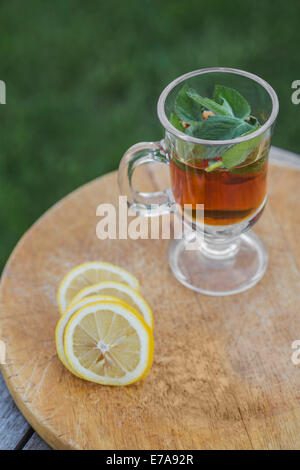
x: 217, y: 249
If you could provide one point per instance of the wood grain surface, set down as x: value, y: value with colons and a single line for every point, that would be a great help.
x: 222, y: 376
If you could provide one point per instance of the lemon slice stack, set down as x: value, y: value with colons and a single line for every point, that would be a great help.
x: 105, y: 333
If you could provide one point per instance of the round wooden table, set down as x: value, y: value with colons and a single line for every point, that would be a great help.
x: 223, y: 375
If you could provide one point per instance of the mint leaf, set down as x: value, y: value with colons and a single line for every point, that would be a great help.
x: 186, y: 108
x: 231, y: 120
x: 175, y: 121
x: 207, y: 103
x: 219, y: 128
x: 239, y: 152
x: 239, y: 105
x: 243, y: 128
x: 199, y: 152
x: 249, y: 169
x: 227, y: 106
x: 214, y: 151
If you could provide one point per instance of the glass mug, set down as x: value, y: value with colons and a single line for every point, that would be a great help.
x: 229, y: 258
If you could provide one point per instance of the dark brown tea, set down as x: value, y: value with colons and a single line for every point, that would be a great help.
x: 229, y: 195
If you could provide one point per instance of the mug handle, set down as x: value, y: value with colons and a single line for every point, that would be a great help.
x: 146, y: 204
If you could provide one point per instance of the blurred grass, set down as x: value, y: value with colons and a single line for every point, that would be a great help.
x: 83, y: 79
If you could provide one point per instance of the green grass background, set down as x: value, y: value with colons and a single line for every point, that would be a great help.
x: 83, y: 78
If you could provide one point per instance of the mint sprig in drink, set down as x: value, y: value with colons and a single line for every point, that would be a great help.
x: 230, y: 180
x: 218, y: 124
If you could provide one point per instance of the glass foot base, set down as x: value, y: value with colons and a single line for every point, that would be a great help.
x: 219, y: 272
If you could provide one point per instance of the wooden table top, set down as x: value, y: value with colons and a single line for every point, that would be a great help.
x: 250, y: 401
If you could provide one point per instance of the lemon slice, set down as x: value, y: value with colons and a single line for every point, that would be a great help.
x: 109, y: 343
x: 61, y: 325
x: 122, y: 292
x: 90, y: 273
